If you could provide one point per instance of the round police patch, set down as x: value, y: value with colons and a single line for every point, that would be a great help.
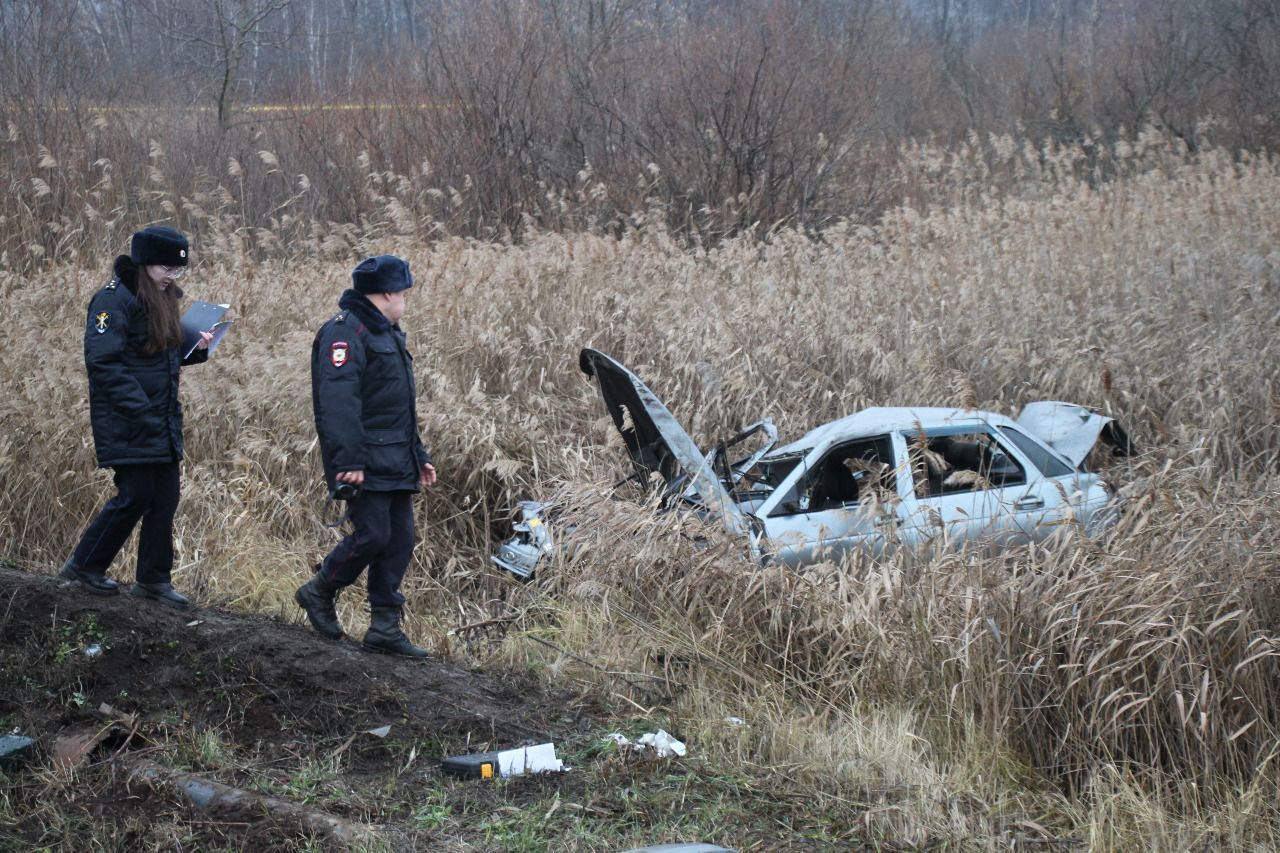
x: 338, y: 353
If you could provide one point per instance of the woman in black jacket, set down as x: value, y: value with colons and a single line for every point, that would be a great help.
x: 132, y: 344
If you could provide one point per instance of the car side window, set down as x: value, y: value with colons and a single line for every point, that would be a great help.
x: 963, y: 462
x: 846, y: 475
x: 1049, y: 465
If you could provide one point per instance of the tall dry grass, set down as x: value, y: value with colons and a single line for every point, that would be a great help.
x: 1121, y: 692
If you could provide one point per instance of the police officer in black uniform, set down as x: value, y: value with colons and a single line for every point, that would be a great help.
x: 362, y: 390
x: 132, y: 343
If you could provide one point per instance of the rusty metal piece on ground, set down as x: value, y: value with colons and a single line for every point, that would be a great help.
x: 72, y: 749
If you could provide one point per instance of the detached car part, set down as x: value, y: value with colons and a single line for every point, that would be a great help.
x: 520, y: 554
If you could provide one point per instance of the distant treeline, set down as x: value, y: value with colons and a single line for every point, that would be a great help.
x: 710, y: 115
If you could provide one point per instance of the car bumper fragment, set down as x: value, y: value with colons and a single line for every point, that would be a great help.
x: 520, y: 554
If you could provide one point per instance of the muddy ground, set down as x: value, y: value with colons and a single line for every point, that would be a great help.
x: 262, y: 707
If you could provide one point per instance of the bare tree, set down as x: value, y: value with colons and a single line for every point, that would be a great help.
x: 231, y: 29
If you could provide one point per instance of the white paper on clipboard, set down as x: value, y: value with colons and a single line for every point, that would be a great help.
x: 203, y: 317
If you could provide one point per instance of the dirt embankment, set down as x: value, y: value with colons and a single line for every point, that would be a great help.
x: 240, y: 701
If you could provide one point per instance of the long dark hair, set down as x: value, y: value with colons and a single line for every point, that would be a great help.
x: 163, y: 329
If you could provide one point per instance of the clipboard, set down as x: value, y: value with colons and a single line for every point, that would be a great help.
x: 203, y: 317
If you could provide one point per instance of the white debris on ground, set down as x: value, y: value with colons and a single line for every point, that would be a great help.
x: 662, y: 744
x: 529, y: 759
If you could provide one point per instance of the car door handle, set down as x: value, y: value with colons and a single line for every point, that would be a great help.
x: 1028, y: 503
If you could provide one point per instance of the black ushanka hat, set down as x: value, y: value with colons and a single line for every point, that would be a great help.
x: 383, y: 274
x: 159, y: 245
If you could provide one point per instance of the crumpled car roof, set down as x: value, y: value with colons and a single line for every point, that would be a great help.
x: 878, y: 419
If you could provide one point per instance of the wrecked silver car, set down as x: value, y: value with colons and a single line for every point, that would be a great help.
x: 878, y: 479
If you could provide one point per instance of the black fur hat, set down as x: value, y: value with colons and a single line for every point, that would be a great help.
x: 383, y: 274
x: 159, y: 245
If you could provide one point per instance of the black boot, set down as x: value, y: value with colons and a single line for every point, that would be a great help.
x: 90, y: 582
x: 161, y: 592
x: 317, y: 598
x: 385, y: 635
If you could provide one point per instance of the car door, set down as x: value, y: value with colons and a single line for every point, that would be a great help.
x: 841, y: 498
x: 1046, y: 505
x: 966, y: 488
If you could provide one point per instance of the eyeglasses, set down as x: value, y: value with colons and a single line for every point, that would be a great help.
x: 174, y: 272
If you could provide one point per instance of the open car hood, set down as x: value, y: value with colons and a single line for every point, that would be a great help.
x: 655, y: 440
x: 1073, y: 430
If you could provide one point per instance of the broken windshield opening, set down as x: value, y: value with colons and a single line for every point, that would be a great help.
x: 742, y: 477
x: 757, y: 483
x: 747, y: 453
x: 768, y: 474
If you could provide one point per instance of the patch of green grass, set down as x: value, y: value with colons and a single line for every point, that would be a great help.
x: 514, y: 829
x: 79, y: 696
x: 204, y: 747
x: 312, y: 781
x: 73, y: 638
x: 584, y: 749
x: 433, y: 810
x: 62, y: 653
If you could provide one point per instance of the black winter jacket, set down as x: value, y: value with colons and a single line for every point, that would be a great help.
x: 363, y: 394
x: 133, y: 397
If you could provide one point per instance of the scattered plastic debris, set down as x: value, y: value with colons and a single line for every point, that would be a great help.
x: 379, y: 732
x: 735, y: 721
x: 662, y: 744
x: 93, y: 651
x: 506, y: 763
x: 480, y: 765
x: 529, y: 759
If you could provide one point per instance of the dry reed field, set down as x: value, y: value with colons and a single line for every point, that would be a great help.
x: 1090, y: 695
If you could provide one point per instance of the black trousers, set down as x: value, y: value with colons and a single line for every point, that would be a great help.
x: 382, y: 542
x: 146, y: 492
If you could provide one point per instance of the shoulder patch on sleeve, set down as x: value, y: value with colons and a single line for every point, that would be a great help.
x: 101, y: 321
x: 338, y: 353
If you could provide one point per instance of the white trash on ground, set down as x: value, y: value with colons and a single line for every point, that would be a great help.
x: 529, y: 759
x: 662, y: 744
